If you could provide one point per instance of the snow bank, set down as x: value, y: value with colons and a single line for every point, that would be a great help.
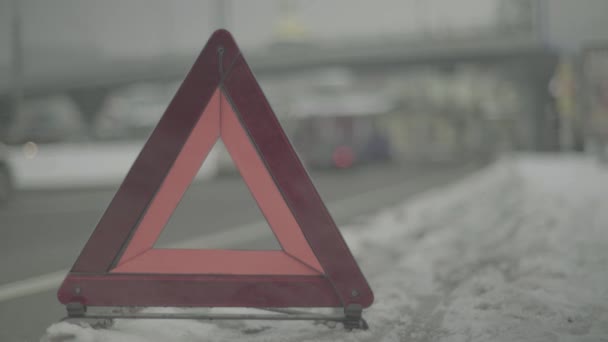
x: 515, y: 252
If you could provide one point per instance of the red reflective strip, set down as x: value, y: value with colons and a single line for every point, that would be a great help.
x: 210, y: 261
x: 198, y: 290
x: 185, y: 168
x: 263, y: 188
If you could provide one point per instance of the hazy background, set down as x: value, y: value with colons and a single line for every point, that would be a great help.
x: 381, y: 99
x: 450, y: 51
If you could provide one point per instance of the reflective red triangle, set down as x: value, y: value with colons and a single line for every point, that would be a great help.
x: 219, y: 98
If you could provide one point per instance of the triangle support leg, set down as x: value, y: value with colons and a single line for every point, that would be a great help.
x: 352, y: 318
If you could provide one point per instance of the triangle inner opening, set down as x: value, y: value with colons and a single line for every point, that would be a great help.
x: 219, y: 213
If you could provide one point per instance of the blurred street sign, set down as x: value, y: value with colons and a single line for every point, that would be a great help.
x: 219, y: 99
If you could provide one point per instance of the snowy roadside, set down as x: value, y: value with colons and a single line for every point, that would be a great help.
x: 515, y: 252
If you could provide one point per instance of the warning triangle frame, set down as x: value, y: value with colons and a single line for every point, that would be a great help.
x: 99, y: 277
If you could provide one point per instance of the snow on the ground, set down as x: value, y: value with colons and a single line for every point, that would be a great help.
x: 516, y: 252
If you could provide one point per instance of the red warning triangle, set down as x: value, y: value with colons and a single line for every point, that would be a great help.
x: 219, y: 99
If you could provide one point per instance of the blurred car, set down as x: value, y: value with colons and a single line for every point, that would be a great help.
x: 36, y: 137
x: 6, y: 177
x: 132, y: 112
x: 341, y: 130
x: 49, y: 146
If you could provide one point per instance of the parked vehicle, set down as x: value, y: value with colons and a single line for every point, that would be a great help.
x: 342, y: 131
x: 6, y: 177
x: 53, y: 119
x: 131, y: 113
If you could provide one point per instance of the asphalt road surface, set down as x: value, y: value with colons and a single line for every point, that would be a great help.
x: 43, y: 232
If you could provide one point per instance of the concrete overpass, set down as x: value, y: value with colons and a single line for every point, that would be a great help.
x: 88, y: 80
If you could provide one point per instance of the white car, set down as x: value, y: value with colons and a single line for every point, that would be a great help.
x: 42, y: 121
x: 6, y: 177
